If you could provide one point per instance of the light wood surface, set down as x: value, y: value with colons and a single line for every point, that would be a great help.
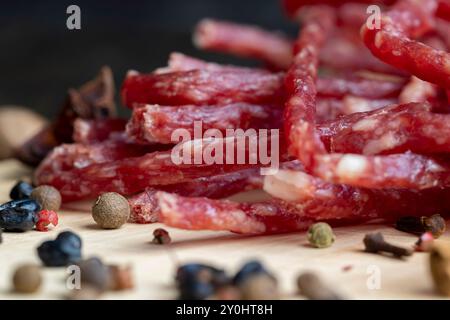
x: 154, y: 266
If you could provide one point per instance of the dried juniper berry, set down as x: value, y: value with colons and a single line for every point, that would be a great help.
x: 63, y: 251
x: 94, y: 273
x: 19, y: 215
x: 21, y: 190
x: 255, y: 282
x: 249, y: 269
x: 198, y: 281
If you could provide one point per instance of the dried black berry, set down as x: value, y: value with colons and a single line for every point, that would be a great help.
x: 249, y: 269
x: 22, y: 205
x: 22, y: 190
x: 19, y: 215
x: 94, y: 273
x: 63, y: 251
x: 198, y: 281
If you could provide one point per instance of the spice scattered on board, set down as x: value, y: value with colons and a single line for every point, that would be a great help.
x: 19, y: 215
x: 120, y: 278
x: 418, y: 225
x: 440, y: 267
x: 48, y: 197
x: 27, y: 278
x: 312, y: 287
x: 63, y: 251
x: 425, y: 242
x: 111, y: 210
x: 161, y: 236
x: 21, y: 190
x: 46, y: 218
x: 320, y: 235
x: 375, y: 243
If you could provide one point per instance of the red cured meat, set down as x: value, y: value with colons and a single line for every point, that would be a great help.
x: 244, y: 218
x: 91, y: 131
x: 328, y: 109
x: 244, y: 41
x: 392, y: 43
x: 316, y: 199
x: 344, y: 51
x: 209, y: 86
x: 393, y: 129
x: 78, y: 156
x: 203, y: 87
x: 360, y: 87
x: 131, y: 175
x: 300, y: 85
x: 394, y: 171
x: 444, y: 9
x: 292, y: 6
x: 154, y: 123
x: 280, y: 216
x: 145, y: 209
x: 181, y: 62
x: 418, y: 91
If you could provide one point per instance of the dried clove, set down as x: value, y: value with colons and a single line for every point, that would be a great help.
x: 418, y: 225
x: 94, y: 99
x: 440, y: 267
x: 375, y: 243
x: 312, y: 287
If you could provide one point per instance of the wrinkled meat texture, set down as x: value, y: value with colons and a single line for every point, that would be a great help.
x: 154, y: 123
x: 244, y: 41
x: 145, y: 209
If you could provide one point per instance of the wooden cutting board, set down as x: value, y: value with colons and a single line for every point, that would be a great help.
x: 344, y: 266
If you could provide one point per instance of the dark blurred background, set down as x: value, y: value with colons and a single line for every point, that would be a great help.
x: 40, y: 58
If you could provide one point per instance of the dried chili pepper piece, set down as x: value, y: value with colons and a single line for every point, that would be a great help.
x: 245, y: 41
x: 156, y: 124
